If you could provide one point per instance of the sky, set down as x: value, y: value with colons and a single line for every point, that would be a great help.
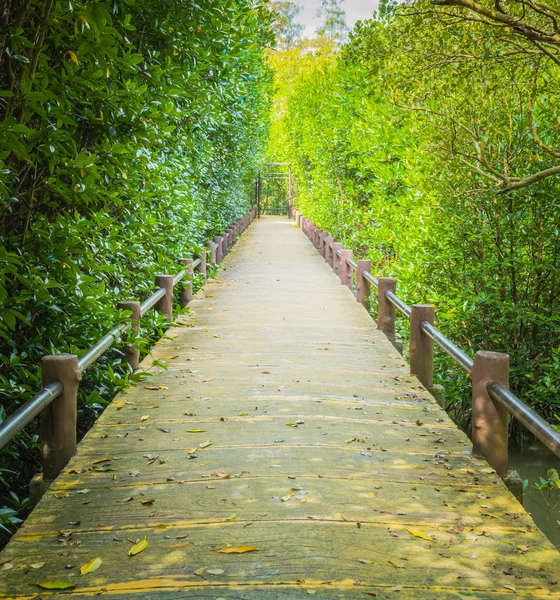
x: 356, y: 10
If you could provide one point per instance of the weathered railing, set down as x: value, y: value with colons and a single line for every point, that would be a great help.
x: 61, y: 373
x: 492, y: 400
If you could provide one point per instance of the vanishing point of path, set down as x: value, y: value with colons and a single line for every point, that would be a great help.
x: 285, y: 453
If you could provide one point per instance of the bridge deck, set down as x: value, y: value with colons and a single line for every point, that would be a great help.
x: 321, y: 451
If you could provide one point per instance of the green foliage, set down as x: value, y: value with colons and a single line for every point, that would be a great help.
x: 131, y: 132
x: 386, y: 136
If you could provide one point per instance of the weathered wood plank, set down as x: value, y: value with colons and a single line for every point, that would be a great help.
x: 325, y: 453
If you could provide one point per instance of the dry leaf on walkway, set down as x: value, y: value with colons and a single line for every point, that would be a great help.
x: 91, y: 566
x: 139, y: 547
x: 205, y: 444
x: 196, y: 430
x: 56, y: 584
x: 421, y: 534
x: 238, y: 549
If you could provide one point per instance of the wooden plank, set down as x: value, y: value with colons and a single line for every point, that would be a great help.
x: 324, y: 452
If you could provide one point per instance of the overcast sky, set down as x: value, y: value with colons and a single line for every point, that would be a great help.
x: 356, y: 10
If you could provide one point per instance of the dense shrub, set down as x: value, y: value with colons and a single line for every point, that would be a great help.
x: 131, y: 132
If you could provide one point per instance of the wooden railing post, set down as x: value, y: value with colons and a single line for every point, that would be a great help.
x: 335, y: 258
x: 131, y: 355
x: 328, y: 250
x: 345, y: 270
x: 212, y: 248
x: 165, y: 305
x: 322, y: 237
x: 58, y: 420
x: 421, y: 346
x: 187, y: 291
x: 363, y: 286
x: 386, y: 310
x: 490, y: 419
x: 202, y: 266
x: 219, y: 248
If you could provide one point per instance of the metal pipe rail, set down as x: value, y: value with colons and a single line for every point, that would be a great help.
x: 53, y: 389
x: 542, y: 430
x: 487, y: 369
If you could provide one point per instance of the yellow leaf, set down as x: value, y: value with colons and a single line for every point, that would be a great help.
x: 196, y: 430
x: 38, y: 565
x: 144, y: 418
x: 91, y: 566
x: 231, y: 518
x: 73, y: 56
x: 243, y: 414
x: 205, y: 444
x: 420, y: 534
x: 238, y: 549
x: 139, y: 547
x: 56, y: 584
x: 199, y: 571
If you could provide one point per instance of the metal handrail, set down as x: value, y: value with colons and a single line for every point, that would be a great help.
x: 28, y: 411
x: 525, y: 415
x: 398, y: 303
x: 369, y: 277
x: 33, y: 407
x: 462, y: 359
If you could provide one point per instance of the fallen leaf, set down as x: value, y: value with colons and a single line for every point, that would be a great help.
x: 231, y: 518
x: 205, y: 444
x: 221, y: 475
x: 91, y: 566
x: 149, y: 501
x: 139, y: 547
x: 100, y: 460
x: 199, y: 571
x: 38, y: 565
x: 243, y: 414
x: 144, y: 418
x: 196, y: 430
x: 420, y: 534
x: 215, y: 571
x: 238, y: 549
x: 56, y: 584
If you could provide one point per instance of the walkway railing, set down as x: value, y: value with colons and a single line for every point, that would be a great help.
x: 492, y: 400
x: 61, y: 373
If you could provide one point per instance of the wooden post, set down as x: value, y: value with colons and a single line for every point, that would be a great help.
x: 322, y: 238
x: 212, y: 248
x: 225, y: 249
x: 165, y: 305
x: 328, y: 241
x: 187, y: 291
x: 421, y: 346
x: 386, y: 310
x: 363, y: 286
x: 345, y: 270
x: 58, y: 420
x: 202, y: 266
x: 337, y: 259
x: 490, y: 419
x: 219, y: 248
x: 131, y: 355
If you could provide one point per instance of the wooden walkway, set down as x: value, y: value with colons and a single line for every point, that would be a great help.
x: 286, y: 425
